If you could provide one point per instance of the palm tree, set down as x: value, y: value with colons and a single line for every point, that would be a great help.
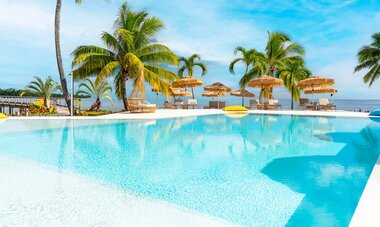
x: 189, y: 65
x: 280, y: 50
x: 369, y: 58
x: 61, y: 71
x: 42, y: 89
x: 98, y: 91
x: 291, y: 73
x: 251, y: 58
x: 129, y: 54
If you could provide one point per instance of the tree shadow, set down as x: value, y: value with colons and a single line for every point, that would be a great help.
x: 332, y: 185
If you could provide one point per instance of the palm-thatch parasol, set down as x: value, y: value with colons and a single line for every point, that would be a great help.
x: 266, y: 83
x: 219, y: 87
x: 214, y: 94
x: 188, y: 82
x: 320, y: 90
x: 315, y: 81
x: 178, y: 92
x: 239, y: 93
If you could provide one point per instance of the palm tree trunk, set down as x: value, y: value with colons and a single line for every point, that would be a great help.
x: 124, y: 91
x: 242, y: 97
x: 61, y: 71
x: 291, y: 106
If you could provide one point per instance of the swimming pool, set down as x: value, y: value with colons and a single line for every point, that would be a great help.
x: 261, y: 170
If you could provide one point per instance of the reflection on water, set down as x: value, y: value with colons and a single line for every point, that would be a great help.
x: 255, y: 169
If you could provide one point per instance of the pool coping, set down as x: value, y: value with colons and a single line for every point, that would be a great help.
x: 368, y: 208
x: 165, y: 113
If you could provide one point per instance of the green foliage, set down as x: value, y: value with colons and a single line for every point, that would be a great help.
x: 95, y: 113
x: 97, y: 91
x: 369, y: 59
x: 291, y: 73
x: 128, y: 49
x: 280, y: 50
x: 43, y: 89
x: 188, y: 64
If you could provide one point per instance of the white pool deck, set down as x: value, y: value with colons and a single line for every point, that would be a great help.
x: 366, y: 214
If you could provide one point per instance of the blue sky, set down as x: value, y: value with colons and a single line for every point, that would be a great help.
x: 331, y: 31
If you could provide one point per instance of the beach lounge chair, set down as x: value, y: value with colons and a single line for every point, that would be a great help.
x: 168, y: 105
x: 215, y: 105
x: 302, y: 103
x: 324, y: 104
x: 192, y: 104
x: 178, y: 103
x: 137, y: 105
x: 273, y: 104
x: 254, y: 104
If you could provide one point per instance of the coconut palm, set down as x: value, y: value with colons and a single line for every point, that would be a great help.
x: 61, y: 71
x: 44, y: 89
x: 97, y: 91
x: 291, y: 73
x: 188, y: 65
x: 280, y: 50
x: 369, y: 58
x: 251, y: 59
x: 129, y: 54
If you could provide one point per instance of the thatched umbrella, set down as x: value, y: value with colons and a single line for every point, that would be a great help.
x: 239, y: 93
x: 321, y: 90
x: 214, y: 94
x: 315, y: 81
x: 242, y: 93
x: 218, y: 87
x: 178, y: 92
x: 188, y: 82
x: 266, y: 83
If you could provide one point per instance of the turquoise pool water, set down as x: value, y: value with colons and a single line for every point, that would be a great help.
x: 258, y: 170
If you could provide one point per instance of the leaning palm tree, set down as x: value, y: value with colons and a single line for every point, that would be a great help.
x: 291, y: 73
x: 189, y: 65
x: 44, y: 89
x: 129, y: 54
x: 57, y: 31
x: 251, y: 59
x: 98, y: 91
x: 369, y: 58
